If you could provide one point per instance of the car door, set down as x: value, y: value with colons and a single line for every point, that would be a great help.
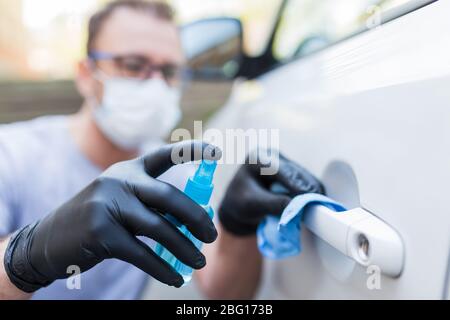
x: 363, y: 103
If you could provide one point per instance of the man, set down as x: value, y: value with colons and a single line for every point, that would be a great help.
x: 58, y: 210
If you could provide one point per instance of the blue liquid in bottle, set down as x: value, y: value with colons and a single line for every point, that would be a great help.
x: 199, y: 188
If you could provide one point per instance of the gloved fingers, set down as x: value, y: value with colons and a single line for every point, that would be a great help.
x: 130, y: 249
x: 169, y: 200
x: 143, y: 222
x: 156, y: 163
x: 297, y: 179
x: 267, y: 202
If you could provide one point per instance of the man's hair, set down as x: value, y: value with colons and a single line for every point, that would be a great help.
x: 157, y: 9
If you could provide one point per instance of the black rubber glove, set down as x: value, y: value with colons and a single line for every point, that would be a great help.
x: 103, y: 220
x: 250, y: 197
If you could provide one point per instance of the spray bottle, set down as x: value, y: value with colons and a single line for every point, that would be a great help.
x: 199, y: 188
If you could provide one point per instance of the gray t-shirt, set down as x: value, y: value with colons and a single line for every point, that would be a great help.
x: 40, y: 169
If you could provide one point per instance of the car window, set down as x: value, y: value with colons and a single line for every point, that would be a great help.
x: 310, y: 25
x: 257, y: 16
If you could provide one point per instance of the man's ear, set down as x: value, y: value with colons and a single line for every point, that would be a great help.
x: 85, y: 82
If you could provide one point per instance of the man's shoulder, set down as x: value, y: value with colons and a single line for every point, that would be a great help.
x: 30, y: 137
x: 40, y: 125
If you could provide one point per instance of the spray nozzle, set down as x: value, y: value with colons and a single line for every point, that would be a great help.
x: 199, y: 187
x: 205, y: 172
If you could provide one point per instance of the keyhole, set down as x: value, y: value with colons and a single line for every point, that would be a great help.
x: 363, y: 247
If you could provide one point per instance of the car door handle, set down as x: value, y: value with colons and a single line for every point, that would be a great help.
x: 359, y: 235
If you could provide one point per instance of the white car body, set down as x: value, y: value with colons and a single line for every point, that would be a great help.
x: 377, y: 104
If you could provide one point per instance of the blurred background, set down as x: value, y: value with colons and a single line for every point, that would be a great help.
x: 41, y: 41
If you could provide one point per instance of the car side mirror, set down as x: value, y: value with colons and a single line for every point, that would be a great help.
x: 213, y: 48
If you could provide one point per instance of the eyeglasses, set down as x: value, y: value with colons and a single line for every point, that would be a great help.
x: 137, y: 66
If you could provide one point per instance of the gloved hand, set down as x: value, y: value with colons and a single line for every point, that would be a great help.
x: 103, y: 220
x: 249, y: 198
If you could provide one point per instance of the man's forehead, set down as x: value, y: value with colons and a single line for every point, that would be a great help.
x: 129, y: 31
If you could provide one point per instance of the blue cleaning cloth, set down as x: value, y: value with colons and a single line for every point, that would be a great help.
x: 279, y: 237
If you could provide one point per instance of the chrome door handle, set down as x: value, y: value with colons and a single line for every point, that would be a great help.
x: 359, y: 235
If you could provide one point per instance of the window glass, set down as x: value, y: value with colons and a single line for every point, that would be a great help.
x: 310, y: 25
x: 257, y: 16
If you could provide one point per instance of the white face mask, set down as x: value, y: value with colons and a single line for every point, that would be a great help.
x: 133, y: 112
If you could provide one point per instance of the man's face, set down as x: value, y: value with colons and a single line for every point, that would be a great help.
x: 132, y: 44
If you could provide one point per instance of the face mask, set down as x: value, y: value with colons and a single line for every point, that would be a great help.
x: 134, y: 112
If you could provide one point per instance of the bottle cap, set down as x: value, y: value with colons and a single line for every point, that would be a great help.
x: 199, y: 187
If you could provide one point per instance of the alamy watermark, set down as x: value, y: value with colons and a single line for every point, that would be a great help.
x: 374, y: 279
x: 238, y: 146
x: 375, y: 18
x: 73, y: 282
